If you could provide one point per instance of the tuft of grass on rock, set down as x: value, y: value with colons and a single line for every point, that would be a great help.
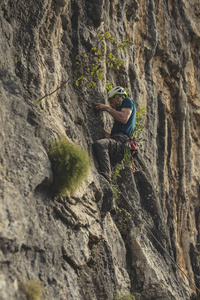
x: 33, y: 290
x: 123, y: 296
x: 70, y: 165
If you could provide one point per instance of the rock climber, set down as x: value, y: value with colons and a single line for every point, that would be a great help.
x: 110, y: 150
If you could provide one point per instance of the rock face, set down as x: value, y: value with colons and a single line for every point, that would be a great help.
x: 74, y: 250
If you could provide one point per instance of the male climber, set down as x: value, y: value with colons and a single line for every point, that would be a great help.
x: 110, y: 150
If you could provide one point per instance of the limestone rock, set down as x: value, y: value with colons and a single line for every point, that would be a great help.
x: 77, y: 251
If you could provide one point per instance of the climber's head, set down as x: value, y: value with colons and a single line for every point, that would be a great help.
x: 115, y: 96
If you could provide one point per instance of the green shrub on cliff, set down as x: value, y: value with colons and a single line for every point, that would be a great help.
x: 123, y: 296
x: 34, y: 290
x: 70, y: 165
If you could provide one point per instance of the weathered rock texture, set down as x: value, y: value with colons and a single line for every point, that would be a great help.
x: 75, y: 251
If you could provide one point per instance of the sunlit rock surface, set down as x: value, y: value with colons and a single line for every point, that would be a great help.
x: 75, y: 250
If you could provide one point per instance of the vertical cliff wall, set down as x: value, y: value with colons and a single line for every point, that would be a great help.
x: 74, y: 250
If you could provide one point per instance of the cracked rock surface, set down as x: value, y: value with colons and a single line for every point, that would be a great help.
x: 75, y: 249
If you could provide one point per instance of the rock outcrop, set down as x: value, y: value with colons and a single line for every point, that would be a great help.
x: 76, y: 251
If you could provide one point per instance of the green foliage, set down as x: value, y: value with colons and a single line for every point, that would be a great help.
x: 123, y: 218
x: 127, y: 91
x: 127, y: 155
x: 115, y: 174
x: 80, y: 80
x: 70, y: 166
x: 123, y: 296
x: 127, y: 160
x: 34, y: 290
x: 109, y: 86
x: 91, y: 65
x: 139, y: 126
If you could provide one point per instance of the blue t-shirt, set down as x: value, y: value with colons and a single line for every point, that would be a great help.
x: 129, y: 127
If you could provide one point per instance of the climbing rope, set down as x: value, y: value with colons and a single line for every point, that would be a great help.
x: 173, y: 261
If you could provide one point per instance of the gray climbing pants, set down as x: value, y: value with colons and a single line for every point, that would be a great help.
x: 110, y: 151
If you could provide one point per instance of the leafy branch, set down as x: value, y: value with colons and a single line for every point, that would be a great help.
x: 100, y: 58
x: 139, y: 126
x: 90, y: 66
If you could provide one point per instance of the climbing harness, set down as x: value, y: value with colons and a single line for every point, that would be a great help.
x: 147, y: 227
